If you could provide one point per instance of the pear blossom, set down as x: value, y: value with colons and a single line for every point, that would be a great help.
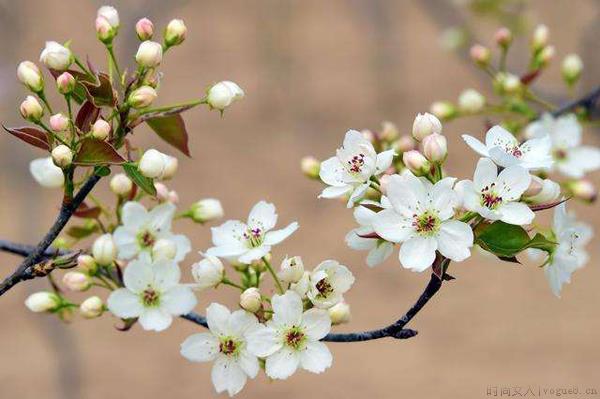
x: 350, y: 171
x: 152, y: 293
x: 46, y: 173
x: 379, y: 250
x: 208, y: 273
x: 420, y: 217
x: 226, y: 344
x: 496, y: 196
x: 505, y: 150
x: 571, y: 159
x: 570, y: 254
x: 250, y: 241
x: 328, y: 282
x: 56, y: 56
x: 291, y: 339
x: 141, y: 229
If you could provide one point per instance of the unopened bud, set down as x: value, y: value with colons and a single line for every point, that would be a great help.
x: 416, y: 162
x: 144, y: 28
x: 142, y: 97
x: 471, y: 101
x: 208, y: 272
x: 583, y: 190
x: 250, y: 300
x: 424, y: 125
x: 548, y: 192
x: 77, y: 281
x: 443, y: 109
x: 368, y: 135
x: 62, y: 156
x: 59, y: 122
x: 175, y: 33
x: 222, y: 94
x: 121, y: 185
x: 339, y: 313
x: 152, y: 163
x: 91, y: 308
x: 104, y: 250
x: 149, y: 54
x: 87, y: 264
x: 535, y: 186
x: 42, y: 301
x: 540, y: 37
x: 435, y: 147
x: 56, y: 56
x: 164, y: 249
x: 31, y: 109
x: 571, y: 69
x: 291, y: 269
x: 503, y: 37
x: 389, y: 131
x: 481, y: 55
x: 545, y: 56
x: 173, y: 197
x: 100, y: 129
x: 405, y: 143
x: 29, y: 74
x: 206, y: 210
x: 110, y: 14
x: 510, y: 83
x: 65, y: 82
x: 171, y: 164
x: 162, y: 192
x: 310, y: 166
x: 104, y: 32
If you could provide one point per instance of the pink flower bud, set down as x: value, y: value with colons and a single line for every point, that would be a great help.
x: 416, y: 162
x: 162, y: 192
x: 31, y: 109
x: 405, y: 143
x: 251, y: 300
x: 104, y: 31
x: 424, y: 125
x: 144, y: 29
x: 65, y: 83
x: 77, y: 281
x: 435, y: 147
x: 87, y: 263
x: 173, y: 197
x: 110, y: 14
x: 29, y: 74
x: 142, y: 97
x: 59, y: 122
x: 584, y: 190
x: 503, y: 37
x: 481, y: 55
x: 389, y: 131
x: 175, y: 32
x: 56, y: 56
x: 100, y: 129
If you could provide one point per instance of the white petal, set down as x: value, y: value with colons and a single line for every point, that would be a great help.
x: 287, y: 309
x: 497, y: 136
x: 254, y: 254
x: 455, y: 240
x: 262, y: 216
x: 161, y: 216
x: 486, y: 173
x: 124, y: 304
x: 316, y: 323
x: 282, y: 364
x: 249, y: 364
x: 217, y: 317
x: 335, y: 192
x: 240, y: 322
x: 476, y: 145
x: 138, y: 275
x: 263, y: 341
x: 227, y: 250
x: 46, y: 173
x: 512, y: 182
x: 354, y: 241
x: 363, y: 215
x: 178, y: 300
x: 126, y: 242
x: 516, y: 213
x: 341, y: 277
x: 229, y: 233
x: 166, y: 274
x: 155, y: 319
x: 228, y: 376
x: 276, y: 236
x: 443, y: 199
x: 316, y: 357
x: 380, y: 253
x: 418, y: 253
x: 502, y: 158
x: 405, y: 193
x: 134, y: 215
x: 202, y: 347
x: 384, y: 160
x: 393, y: 227
x: 580, y: 160
x: 184, y: 246
x: 357, y: 194
x: 333, y: 173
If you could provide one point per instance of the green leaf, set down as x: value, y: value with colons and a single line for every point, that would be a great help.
x: 102, y: 171
x: 539, y: 241
x: 101, y: 93
x: 97, y: 152
x: 502, y: 239
x: 171, y: 128
x: 30, y: 135
x: 140, y: 180
x: 80, y: 232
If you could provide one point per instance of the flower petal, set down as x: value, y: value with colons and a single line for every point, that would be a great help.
x: 316, y: 323
x: 282, y: 364
x: 227, y: 375
x: 476, y: 145
x: 277, y: 236
x: 263, y: 341
x: 124, y: 304
x: 229, y: 233
x: 316, y: 357
x: 486, y: 173
x: 384, y: 160
x: 335, y: 192
x: 455, y: 240
x: 392, y: 226
x: 512, y: 183
x: 254, y: 254
x: 155, y: 319
x: 333, y: 173
x: 217, y: 317
x: 202, y: 347
x: 497, y: 136
x: 138, y: 275
x: 418, y: 253
x: 178, y: 300
x: 134, y: 215
x: 166, y: 274
x: 287, y: 309
x: 126, y: 242
x: 240, y: 322
x: 161, y: 216
x: 380, y: 253
x: 249, y: 364
x: 262, y: 216
x: 516, y: 213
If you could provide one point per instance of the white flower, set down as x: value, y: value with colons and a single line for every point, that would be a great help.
x: 222, y: 94
x: 46, y: 173
x: 291, y: 269
x: 246, y: 242
x: 152, y: 293
x: 505, y: 150
x: 328, y: 283
x: 350, y: 171
x: 226, y: 345
x: 379, y: 250
x: 569, y: 255
x: 420, y: 218
x: 142, y: 229
x: 339, y: 313
x: 208, y: 272
x: 291, y: 339
x: 570, y: 157
x: 496, y: 196
x: 56, y: 56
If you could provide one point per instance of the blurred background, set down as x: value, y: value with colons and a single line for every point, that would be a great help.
x: 311, y: 70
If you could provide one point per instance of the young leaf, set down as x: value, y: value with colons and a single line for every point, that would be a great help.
x: 80, y: 232
x: 87, y: 115
x: 101, y: 94
x: 30, y: 135
x: 97, y: 152
x: 79, y: 93
x: 140, y: 180
x: 102, y: 171
x: 539, y: 241
x: 87, y: 212
x: 502, y: 239
x: 171, y: 129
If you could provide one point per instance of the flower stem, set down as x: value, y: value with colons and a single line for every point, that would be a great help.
x: 274, y: 275
x: 42, y: 97
x: 113, y: 60
x: 226, y: 281
x: 190, y: 104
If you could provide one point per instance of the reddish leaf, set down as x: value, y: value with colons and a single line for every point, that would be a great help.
x: 30, y: 135
x: 87, y: 115
x: 530, y: 76
x: 101, y: 94
x: 87, y: 212
x: 369, y: 235
x: 96, y: 152
x: 549, y: 205
x: 79, y: 94
x: 171, y: 129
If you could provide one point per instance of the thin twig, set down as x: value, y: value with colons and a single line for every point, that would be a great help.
x: 589, y: 102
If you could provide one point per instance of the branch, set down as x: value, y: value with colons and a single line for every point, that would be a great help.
x: 25, y: 271
x: 587, y: 102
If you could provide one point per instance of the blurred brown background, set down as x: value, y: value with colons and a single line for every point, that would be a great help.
x: 311, y: 70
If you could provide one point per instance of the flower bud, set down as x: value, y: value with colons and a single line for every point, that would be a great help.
x: 222, y: 94
x: 87, y: 264
x: 171, y: 164
x: 149, y: 54
x: 339, y: 313
x: 152, y: 163
x: 535, y: 187
x: 142, y: 97
x: 56, y: 56
x: 104, y: 32
x: 405, y: 143
x: 164, y: 249
x: 121, y: 185
x: 62, y: 156
x: 208, y: 272
x: 389, y: 131
x: 91, y: 308
x: 416, y: 162
x: 175, y: 33
x: 368, y: 135
x: 291, y: 270
x: 435, y: 147
x: 104, y: 250
x: 100, y: 129
x: 162, y: 192
x: 59, y: 122
x: 583, y: 190
x: 548, y: 191
x: 481, y: 55
x: 46, y: 173
x: 77, y: 281
x: 144, y: 28
x: 110, y: 14
x: 510, y: 83
x: 471, y: 101
x: 443, y: 109
x: 310, y: 166
x: 42, y: 301
x: 29, y: 74
x: 424, y: 125
x: 206, y: 210
x: 545, y: 56
x: 571, y: 69
x: 540, y: 37
x: 31, y: 109
x: 65, y: 83
x: 503, y: 37
x: 173, y: 197
x: 384, y: 181
x: 250, y: 300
